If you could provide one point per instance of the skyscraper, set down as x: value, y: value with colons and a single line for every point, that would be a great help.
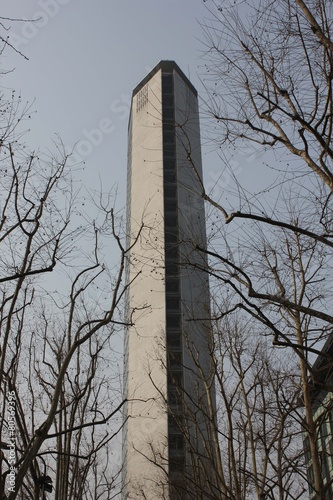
x: 168, y: 439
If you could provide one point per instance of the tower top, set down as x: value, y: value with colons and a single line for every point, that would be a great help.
x: 167, y: 67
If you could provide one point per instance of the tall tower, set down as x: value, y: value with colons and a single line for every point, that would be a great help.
x: 168, y: 439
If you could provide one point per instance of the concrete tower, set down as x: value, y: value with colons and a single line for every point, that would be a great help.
x: 168, y: 441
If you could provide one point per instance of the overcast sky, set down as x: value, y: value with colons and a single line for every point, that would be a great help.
x: 84, y: 60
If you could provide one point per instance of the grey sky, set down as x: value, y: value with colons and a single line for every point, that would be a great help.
x: 84, y: 60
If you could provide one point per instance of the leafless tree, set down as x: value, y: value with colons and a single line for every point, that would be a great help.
x: 250, y: 424
x: 269, y: 85
x: 258, y: 394
x: 60, y: 309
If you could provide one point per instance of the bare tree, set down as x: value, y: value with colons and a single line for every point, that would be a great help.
x: 269, y: 84
x: 258, y: 394
x: 252, y: 433
x: 60, y: 308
